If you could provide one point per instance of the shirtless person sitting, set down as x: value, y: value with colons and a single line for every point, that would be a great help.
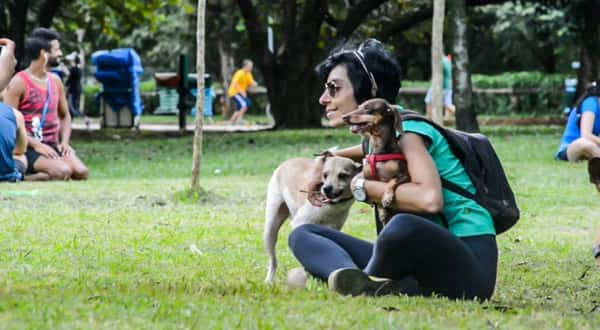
x: 40, y: 96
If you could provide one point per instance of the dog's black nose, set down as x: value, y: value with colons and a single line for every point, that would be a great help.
x: 328, y: 190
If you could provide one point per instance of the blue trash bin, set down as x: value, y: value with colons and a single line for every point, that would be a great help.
x: 119, y: 72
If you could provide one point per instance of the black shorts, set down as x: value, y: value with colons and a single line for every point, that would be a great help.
x: 561, y: 155
x: 21, y: 167
x: 33, y: 155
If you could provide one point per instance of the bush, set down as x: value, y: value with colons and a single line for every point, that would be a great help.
x: 547, y: 100
x: 91, y: 108
x: 544, y: 97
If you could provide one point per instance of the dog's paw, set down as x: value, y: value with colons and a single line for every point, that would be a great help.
x: 387, y: 199
x: 383, y: 216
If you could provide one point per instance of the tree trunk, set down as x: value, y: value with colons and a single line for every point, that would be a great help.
x: 289, y: 73
x: 197, y: 151
x: 590, y: 46
x: 227, y: 67
x: 292, y: 105
x: 466, y: 118
x: 437, y: 44
x: 18, y: 18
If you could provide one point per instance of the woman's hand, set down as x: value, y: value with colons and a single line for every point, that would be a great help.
x: 314, y: 183
x: 315, y: 197
x: 423, y: 194
x: 386, y: 170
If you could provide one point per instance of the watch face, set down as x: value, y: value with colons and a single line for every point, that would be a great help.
x: 359, y: 194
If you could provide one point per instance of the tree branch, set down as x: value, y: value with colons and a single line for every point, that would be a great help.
x: 356, y: 15
x: 331, y: 21
x: 311, y: 20
x: 421, y: 14
x: 47, y: 11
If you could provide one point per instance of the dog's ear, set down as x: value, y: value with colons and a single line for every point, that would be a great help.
x: 358, y: 167
x: 397, y: 120
x: 324, y: 154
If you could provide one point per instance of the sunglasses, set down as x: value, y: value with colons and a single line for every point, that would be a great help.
x: 331, y: 88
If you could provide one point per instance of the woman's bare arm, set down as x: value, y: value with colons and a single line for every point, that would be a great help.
x: 423, y: 194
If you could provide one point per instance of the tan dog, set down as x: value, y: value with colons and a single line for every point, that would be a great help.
x: 381, y: 123
x: 285, y: 198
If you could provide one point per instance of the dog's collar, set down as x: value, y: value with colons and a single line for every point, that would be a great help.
x: 342, y: 200
x: 373, y: 159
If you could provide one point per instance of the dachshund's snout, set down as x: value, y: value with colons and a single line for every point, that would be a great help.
x: 346, y: 118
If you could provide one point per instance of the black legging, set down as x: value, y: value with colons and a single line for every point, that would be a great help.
x: 424, y: 256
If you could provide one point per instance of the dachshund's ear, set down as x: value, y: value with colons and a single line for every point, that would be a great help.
x: 397, y: 120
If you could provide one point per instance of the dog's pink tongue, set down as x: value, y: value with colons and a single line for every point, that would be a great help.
x: 354, y: 128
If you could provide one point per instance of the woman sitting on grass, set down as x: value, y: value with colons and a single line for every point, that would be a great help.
x: 417, y: 252
x: 580, y: 140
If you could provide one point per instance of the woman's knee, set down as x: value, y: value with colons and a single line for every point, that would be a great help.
x: 401, y: 226
x: 299, y: 233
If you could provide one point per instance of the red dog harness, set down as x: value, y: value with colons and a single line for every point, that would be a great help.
x: 373, y: 159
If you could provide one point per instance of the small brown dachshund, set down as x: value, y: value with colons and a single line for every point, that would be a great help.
x: 381, y: 123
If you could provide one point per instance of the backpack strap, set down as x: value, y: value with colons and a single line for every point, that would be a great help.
x: 457, y: 189
x: 38, y: 131
x: 411, y: 115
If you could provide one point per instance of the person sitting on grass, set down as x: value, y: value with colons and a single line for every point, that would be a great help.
x: 439, y: 242
x: 580, y: 140
x: 40, y: 97
x: 13, y: 138
x: 238, y: 91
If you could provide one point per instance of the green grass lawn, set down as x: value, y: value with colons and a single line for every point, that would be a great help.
x: 114, y: 252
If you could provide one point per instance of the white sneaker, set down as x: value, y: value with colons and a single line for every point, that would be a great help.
x: 297, y: 278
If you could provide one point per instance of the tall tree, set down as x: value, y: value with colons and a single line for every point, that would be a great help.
x: 288, y: 71
x: 104, y: 18
x: 224, y: 30
x: 437, y: 45
x: 466, y: 118
x: 589, y: 35
x: 197, y: 151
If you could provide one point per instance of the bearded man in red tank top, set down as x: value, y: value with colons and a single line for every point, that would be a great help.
x: 40, y: 96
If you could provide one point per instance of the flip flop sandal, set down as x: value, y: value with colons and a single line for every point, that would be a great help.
x: 594, y: 170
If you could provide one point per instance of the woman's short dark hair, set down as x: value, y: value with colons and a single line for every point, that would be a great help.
x: 593, y: 90
x: 33, y: 46
x: 379, y: 63
x: 45, y: 34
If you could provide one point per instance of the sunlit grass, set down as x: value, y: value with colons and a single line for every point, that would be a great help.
x: 114, y: 252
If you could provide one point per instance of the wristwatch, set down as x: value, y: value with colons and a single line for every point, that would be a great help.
x: 358, y: 190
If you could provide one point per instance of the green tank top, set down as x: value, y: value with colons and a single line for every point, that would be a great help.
x: 464, y: 216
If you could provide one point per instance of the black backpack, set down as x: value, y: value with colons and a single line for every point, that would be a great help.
x: 483, y: 167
